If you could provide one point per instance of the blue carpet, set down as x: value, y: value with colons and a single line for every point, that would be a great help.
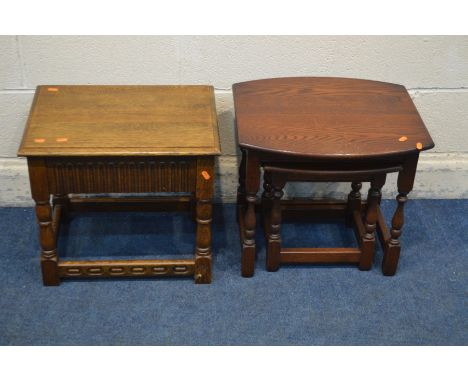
x: 425, y: 303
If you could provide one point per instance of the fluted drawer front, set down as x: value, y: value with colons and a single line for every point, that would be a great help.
x: 121, y: 175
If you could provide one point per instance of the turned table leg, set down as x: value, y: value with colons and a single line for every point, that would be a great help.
x: 392, y: 252
x: 274, y: 234
x: 252, y: 182
x: 49, y: 258
x: 405, y: 185
x: 47, y: 236
x: 368, y: 241
x: 354, y: 202
x: 204, y: 199
x: 267, y: 199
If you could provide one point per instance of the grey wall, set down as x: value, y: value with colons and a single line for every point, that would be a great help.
x: 434, y: 69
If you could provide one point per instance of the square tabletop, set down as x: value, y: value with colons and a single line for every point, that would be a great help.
x: 321, y: 117
x: 121, y: 120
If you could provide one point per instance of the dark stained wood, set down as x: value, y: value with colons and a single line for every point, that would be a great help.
x: 273, y: 259
x: 126, y: 268
x: 325, y: 130
x: 241, y: 220
x: 276, y: 178
x: 333, y: 118
x: 405, y: 185
x: 204, y: 199
x: 122, y: 139
x: 368, y: 240
x: 354, y: 202
x: 47, y: 233
x: 266, y: 204
x: 313, y: 210
x: 252, y: 183
x: 299, y: 174
x: 384, y: 233
x: 121, y: 121
x: 62, y: 201
x: 81, y: 175
x: 319, y: 255
x: 120, y: 204
x: 57, y: 214
x: 358, y: 227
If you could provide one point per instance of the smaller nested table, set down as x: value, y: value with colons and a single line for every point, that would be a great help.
x: 122, y: 139
x: 325, y: 130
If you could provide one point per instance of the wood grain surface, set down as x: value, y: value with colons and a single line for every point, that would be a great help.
x: 121, y: 120
x: 328, y: 118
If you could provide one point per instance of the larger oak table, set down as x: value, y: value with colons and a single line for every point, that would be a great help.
x: 325, y: 130
x: 122, y: 139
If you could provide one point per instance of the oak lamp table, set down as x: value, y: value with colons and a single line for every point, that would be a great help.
x: 325, y: 130
x: 121, y: 139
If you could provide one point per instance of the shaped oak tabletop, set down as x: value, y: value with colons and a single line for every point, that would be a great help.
x: 326, y: 117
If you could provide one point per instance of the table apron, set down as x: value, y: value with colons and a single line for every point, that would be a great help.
x: 121, y: 175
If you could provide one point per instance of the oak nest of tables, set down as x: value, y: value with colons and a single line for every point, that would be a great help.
x: 308, y: 129
x: 121, y: 139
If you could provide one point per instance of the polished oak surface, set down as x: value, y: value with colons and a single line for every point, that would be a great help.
x: 331, y: 118
x: 325, y: 130
x: 121, y: 120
